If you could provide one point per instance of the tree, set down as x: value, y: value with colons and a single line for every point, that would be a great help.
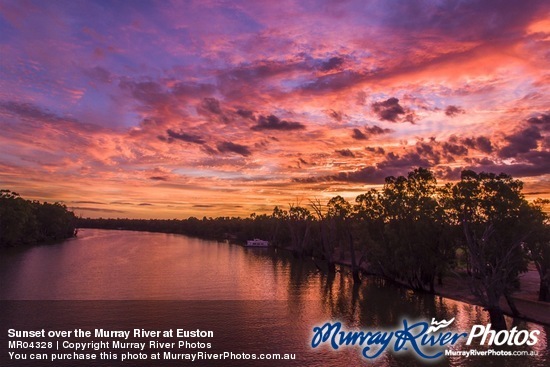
x: 538, y: 245
x: 24, y: 222
x: 415, y: 229
x: 341, y: 218
x: 326, y: 234
x: 17, y: 220
x: 369, y: 218
x: 299, y: 223
x: 491, y: 210
x: 55, y: 222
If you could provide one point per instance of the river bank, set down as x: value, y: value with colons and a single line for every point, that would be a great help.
x: 525, y: 298
x: 456, y: 287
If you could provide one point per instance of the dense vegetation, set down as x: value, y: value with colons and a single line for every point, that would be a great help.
x: 27, y: 222
x: 412, y: 230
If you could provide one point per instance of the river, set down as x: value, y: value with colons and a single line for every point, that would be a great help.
x: 256, y: 300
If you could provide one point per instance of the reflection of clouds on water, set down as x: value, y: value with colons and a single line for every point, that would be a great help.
x: 296, y: 295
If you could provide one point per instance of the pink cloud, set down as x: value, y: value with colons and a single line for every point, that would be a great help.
x: 226, y: 108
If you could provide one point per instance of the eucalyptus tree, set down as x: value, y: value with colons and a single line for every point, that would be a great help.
x: 369, y: 218
x: 342, y: 218
x: 325, y: 245
x: 23, y: 221
x: 491, y: 210
x: 17, y: 219
x: 300, y: 221
x: 279, y: 234
x: 415, y: 230
x: 538, y: 246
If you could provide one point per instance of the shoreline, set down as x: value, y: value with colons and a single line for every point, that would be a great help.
x: 525, y: 299
x: 456, y: 288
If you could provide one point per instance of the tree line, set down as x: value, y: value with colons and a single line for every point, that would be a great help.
x: 27, y: 222
x: 412, y: 230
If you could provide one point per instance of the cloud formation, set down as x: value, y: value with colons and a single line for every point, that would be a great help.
x: 389, y: 110
x: 227, y: 108
x: 229, y: 147
x: 184, y: 137
x: 452, y: 111
x: 272, y: 122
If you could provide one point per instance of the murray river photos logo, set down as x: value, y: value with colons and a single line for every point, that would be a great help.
x: 428, y: 341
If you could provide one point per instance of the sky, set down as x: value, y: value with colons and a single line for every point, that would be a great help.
x: 172, y: 109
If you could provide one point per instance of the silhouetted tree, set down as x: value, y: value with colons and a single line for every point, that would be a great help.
x: 325, y: 245
x: 538, y: 245
x: 24, y: 222
x: 299, y: 223
x: 491, y: 208
x: 415, y: 229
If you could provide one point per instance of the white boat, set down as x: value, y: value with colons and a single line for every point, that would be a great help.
x: 256, y: 242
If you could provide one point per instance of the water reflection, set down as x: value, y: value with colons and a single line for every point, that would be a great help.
x: 111, y: 265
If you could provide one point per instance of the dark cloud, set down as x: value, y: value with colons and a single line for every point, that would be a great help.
x: 393, y: 165
x: 480, y: 161
x: 332, y: 64
x: 538, y: 158
x: 272, y: 122
x: 211, y: 105
x: 408, y: 160
x: 247, y: 114
x: 358, y: 134
x: 521, y: 141
x: 31, y: 111
x: 345, y: 153
x: 336, y: 115
x: 543, y: 121
x: 535, y: 163
x: 389, y: 110
x: 411, y: 117
x: 428, y: 151
x: 369, y: 130
x: 229, y: 147
x: 158, y: 178
x: 480, y: 143
x: 455, y: 149
x: 378, y: 150
x: 208, y: 150
x: 377, y: 130
x: 145, y: 204
x: 453, y: 111
x: 185, y: 137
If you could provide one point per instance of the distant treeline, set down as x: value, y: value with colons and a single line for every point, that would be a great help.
x: 234, y: 229
x: 28, y: 222
x: 412, y: 230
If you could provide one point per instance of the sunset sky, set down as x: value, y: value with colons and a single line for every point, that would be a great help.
x: 171, y: 109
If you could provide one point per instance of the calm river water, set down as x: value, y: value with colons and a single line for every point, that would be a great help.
x: 255, y: 300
